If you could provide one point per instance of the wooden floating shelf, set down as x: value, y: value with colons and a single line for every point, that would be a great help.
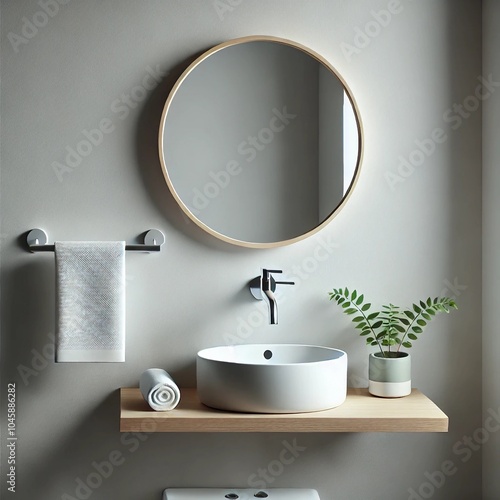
x: 361, y: 412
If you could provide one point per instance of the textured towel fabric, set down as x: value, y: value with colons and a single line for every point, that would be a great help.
x: 90, y: 301
x: 159, y: 389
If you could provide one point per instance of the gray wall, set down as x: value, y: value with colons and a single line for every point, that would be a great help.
x: 491, y: 244
x: 407, y: 232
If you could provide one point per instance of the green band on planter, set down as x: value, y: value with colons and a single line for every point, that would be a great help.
x: 389, y: 369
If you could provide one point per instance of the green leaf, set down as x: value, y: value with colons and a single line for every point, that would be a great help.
x: 373, y: 315
x: 357, y: 319
x: 404, y: 321
x: 426, y: 316
x: 374, y: 343
x: 399, y: 328
x: 346, y: 293
x: 431, y: 311
x: 416, y: 308
x: 429, y: 301
x: 422, y: 304
x: 410, y: 314
x: 407, y: 344
x: 365, y: 332
x: 340, y: 300
x: 351, y: 310
x: 365, y: 307
x: 377, y: 324
x: 354, y: 294
x: 360, y: 300
x: 369, y: 340
x: 412, y: 336
x: 362, y: 325
x: 417, y: 329
x: 421, y: 322
x: 346, y: 304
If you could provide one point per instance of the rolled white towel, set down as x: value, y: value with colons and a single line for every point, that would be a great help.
x: 159, y: 389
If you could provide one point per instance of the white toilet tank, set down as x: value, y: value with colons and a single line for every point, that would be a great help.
x: 238, y: 494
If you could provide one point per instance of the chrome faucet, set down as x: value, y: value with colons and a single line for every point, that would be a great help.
x: 263, y: 287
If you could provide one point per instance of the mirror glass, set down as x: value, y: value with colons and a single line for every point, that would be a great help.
x: 260, y: 142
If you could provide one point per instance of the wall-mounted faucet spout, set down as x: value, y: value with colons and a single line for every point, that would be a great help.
x: 267, y: 292
x: 262, y: 288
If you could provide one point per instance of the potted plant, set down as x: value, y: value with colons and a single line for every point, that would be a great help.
x: 389, y: 329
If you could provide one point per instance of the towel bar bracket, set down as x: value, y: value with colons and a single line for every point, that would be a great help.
x: 37, y: 237
x: 154, y: 237
x: 153, y: 240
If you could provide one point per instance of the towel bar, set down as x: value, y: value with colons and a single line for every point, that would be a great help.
x: 153, y: 240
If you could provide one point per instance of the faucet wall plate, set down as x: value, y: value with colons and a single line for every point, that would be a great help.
x: 255, y: 287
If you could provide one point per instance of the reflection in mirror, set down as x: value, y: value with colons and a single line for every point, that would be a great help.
x: 260, y: 142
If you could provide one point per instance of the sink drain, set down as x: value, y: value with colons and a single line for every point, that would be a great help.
x: 268, y: 354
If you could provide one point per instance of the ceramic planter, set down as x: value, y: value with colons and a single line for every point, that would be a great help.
x: 389, y: 377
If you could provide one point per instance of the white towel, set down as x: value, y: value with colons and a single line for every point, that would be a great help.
x: 90, y: 301
x: 159, y: 389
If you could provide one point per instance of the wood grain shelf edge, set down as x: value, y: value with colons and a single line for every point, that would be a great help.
x: 361, y: 412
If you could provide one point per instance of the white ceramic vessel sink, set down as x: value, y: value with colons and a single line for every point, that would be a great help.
x: 272, y: 378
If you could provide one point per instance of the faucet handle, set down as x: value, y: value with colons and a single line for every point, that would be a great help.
x: 266, y: 273
x: 255, y: 284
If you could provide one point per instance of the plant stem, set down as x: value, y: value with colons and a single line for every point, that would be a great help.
x: 408, y: 328
x: 370, y: 326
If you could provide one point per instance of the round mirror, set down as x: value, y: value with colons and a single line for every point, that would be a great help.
x: 260, y: 142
